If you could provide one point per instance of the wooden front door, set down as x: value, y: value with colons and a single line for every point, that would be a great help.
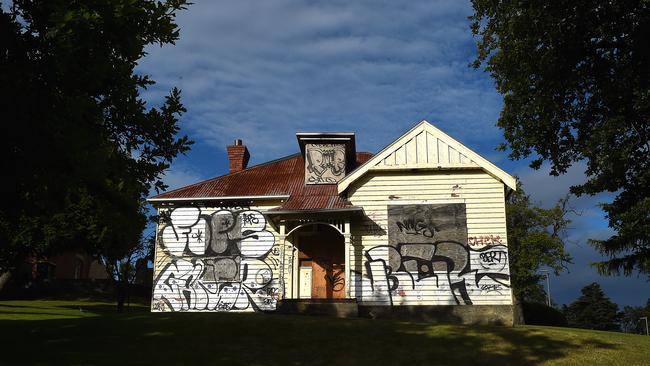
x: 328, y: 280
x: 323, y: 254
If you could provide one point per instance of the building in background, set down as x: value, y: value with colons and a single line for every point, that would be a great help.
x: 70, y: 265
x: 418, y: 229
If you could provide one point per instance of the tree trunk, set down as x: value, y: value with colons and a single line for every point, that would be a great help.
x: 121, y: 295
x: 518, y: 311
x: 5, y: 277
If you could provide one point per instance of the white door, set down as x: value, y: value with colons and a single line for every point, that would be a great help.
x: 304, y: 289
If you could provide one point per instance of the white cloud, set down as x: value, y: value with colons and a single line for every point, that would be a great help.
x: 180, y: 175
x: 263, y: 70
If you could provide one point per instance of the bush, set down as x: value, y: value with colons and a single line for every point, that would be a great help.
x: 541, y: 314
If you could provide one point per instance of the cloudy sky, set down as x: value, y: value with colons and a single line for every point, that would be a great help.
x: 264, y: 70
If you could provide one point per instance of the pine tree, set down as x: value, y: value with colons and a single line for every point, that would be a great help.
x: 593, y: 310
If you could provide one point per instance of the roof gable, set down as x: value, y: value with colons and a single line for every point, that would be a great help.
x: 426, y: 147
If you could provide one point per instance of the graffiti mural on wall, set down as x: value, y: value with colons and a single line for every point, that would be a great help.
x: 219, y: 262
x: 428, y: 244
x: 324, y: 163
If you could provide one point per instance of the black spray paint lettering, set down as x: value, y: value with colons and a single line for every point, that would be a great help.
x: 416, y: 227
x: 418, y: 265
x: 495, y: 287
x: 493, y: 257
x: 415, y: 255
x: 220, y: 262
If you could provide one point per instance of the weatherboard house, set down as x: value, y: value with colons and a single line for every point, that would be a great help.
x: 418, y: 228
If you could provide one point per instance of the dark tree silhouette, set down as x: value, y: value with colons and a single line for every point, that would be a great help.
x: 575, y: 76
x: 593, y: 310
x: 535, y: 239
x: 81, y: 148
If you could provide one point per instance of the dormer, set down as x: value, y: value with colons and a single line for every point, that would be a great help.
x: 328, y: 156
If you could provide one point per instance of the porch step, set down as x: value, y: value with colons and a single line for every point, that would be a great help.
x: 340, y: 308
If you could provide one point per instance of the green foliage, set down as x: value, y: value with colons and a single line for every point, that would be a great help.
x: 631, y: 321
x: 535, y: 239
x: 575, y: 76
x: 593, y: 310
x: 536, y: 313
x: 84, y: 149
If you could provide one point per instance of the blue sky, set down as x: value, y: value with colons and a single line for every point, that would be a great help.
x: 264, y: 70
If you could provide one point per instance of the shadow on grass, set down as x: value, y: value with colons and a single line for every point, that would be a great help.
x: 107, y: 309
x: 12, y: 306
x: 139, y: 337
x: 40, y: 313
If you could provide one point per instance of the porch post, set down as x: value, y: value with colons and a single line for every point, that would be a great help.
x: 346, y: 237
x: 281, y: 239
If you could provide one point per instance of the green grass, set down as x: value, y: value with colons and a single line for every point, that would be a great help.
x: 91, y: 333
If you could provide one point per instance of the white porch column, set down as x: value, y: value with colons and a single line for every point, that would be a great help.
x: 281, y: 240
x: 347, y: 237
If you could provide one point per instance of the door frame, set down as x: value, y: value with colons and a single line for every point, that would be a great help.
x: 297, y: 235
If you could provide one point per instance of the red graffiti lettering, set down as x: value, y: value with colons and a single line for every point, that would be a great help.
x: 484, y: 240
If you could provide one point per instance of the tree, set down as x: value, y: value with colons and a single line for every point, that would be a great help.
x: 84, y: 148
x: 535, y: 239
x: 593, y: 310
x: 575, y: 77
x: 537, y: 313
x: 631, y: 321
x: 122, y: 267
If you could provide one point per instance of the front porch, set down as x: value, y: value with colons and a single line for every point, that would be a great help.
x: 317, y: 260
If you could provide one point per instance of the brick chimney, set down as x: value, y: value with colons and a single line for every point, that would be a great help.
x: 238, y: 156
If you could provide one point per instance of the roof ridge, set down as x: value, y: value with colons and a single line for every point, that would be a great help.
x: 286, y: 157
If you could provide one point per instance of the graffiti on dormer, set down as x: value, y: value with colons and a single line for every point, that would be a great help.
x: 324, y: 163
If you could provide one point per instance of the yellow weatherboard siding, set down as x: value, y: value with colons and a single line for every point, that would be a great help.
x: 483, y: 196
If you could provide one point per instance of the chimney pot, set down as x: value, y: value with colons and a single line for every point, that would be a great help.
x: 238, y: 156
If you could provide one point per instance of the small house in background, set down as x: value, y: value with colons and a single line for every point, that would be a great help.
x: 417, y: 229
x: 70, y: 265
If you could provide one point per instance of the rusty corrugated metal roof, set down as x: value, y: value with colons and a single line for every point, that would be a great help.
x: 285, y: 176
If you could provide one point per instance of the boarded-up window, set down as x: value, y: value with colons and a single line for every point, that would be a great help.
x: 428, y: 238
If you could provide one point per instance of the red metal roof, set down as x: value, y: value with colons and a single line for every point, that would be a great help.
x: 285, y: 176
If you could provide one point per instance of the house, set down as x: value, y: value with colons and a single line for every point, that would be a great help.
x: 69, y: 273
x: 69, y: 265
x: 417, y: 229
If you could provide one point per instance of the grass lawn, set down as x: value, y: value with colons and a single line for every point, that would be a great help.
x: 91, y: 333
